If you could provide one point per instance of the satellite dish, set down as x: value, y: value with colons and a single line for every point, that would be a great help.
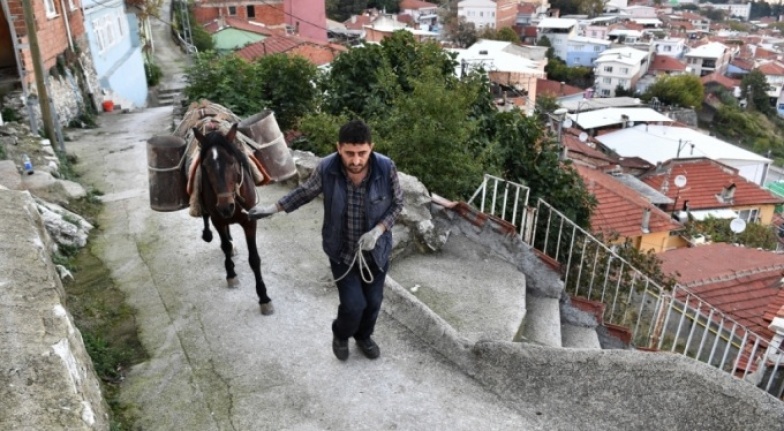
x: 737, y: 225
x: 583, y: 137
x: 680, y: 181
x: 567, y: 123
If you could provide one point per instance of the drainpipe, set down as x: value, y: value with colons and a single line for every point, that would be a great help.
x: 67, y: 25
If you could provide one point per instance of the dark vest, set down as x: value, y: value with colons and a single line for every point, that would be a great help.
x: 378, y: 199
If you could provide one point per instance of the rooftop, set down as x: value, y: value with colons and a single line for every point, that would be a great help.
x: 706, y: 179
x: 615, y: 116
x: 744, y: 283
x: 709, y: 50
x: 555, y: 89
x: 773, y: 68
x: 720, y: 79
x: 620, y: 209
x: 416, y: 4
x: 557, y: 23
x: 292, y: 44
x: 666, y: 63
x: 624, y: 55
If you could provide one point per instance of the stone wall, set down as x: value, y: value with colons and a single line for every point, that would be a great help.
x: 48, y: 381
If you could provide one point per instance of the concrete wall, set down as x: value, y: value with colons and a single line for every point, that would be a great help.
x: 48, y: 381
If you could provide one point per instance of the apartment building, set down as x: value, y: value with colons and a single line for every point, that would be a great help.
x: 619, y: 66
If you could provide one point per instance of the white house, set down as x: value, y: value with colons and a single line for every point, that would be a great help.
x: 640, y: 11
x: 671, y: 47
x: 424, y: 13
x: 558, y: 31
x: 479, y: 12
x: 656, y: 143
x: 583, y: 51
x: 619, y: 66
x: 740, y: 10
x: 622, y: 35
x: 507, y: 64
x: 708, y: 58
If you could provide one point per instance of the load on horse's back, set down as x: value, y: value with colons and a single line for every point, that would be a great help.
x: 212, y: 165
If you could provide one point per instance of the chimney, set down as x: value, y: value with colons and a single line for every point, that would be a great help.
x: 353, y: 19
x: 646, y: 220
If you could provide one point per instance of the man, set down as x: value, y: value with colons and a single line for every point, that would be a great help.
x: 362, y: 200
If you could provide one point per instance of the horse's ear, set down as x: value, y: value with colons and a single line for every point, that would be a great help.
x: 198, y: 135
x: 232, y: 133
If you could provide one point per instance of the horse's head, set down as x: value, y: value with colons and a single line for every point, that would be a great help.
x: 223, y: 167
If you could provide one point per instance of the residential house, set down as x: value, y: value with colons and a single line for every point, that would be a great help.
x: 619, y: 67
x: 560, y: 91
x: 317, y: 52
x: 774, y: 75
x: 660, y: 143
x: 712, y: 189
x: 495, y: 14
x: 623, y: 211
x: 583, y: 51
x: 384, y: 25
x: 715, y: 81
x: 671, y: 47
x: 116, y: 49
x: 424, y: 14
x: 739, y: 67
x: 708, y: 58
x: 581, y: 149
x: 558, y: 31
x: 525, y: 13
x: 507, y: 64
x: 596, y: 121
x: 229, y: 34
x: 737, y: 10
x: 744, y: 284
x: 596, y: 31
x: 307, y: 19
x: 666, y: 65
x: 690, y: 21
x: 59, y: 27
x: 624, y: 35
x: 639, y: 12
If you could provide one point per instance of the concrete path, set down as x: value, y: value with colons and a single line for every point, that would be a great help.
x: 216, y: 362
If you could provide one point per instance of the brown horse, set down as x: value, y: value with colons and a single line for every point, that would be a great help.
x: 227, y: 192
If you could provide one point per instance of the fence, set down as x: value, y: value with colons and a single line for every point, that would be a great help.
x: 658, y: 318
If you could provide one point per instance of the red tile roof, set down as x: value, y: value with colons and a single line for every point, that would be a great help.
x: 555, y: 88
x: 720, y: 79
x: 619, y: 208
x: 526, y: 8
x: 416, y: 4
x: 762, y: 53
x: 707, y: 179
x: 316, y: 52
x: 667, y: 64
x: 744, y: 283
x: 743, y: 63
x: 405, y: 18
x: 572, y: 142
x: 773, y: 68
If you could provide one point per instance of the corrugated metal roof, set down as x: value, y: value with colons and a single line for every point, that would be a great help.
x: 610, y: 116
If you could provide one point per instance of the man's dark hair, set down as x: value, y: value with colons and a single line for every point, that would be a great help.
x: 354, y: 132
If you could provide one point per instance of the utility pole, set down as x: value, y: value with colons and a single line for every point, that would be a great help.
x: 40, y: 80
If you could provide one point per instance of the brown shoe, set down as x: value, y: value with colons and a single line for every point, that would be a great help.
x: 340, y: 348
x: 369, y: 348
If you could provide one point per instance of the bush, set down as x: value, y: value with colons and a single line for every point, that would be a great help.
x: 153, y: 72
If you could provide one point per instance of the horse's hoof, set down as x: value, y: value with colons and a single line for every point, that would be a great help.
x: 233, y: 282
x: 206, y: 235
x: 267, y: 309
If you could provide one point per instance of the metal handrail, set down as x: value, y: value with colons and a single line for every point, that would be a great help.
x: 679, y: 320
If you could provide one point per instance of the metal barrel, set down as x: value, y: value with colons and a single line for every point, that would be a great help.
x: 272, y: 152
x: 166, y: 173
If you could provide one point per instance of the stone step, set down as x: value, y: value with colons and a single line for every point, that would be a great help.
x: 542, y: 321
x: 579, y: 337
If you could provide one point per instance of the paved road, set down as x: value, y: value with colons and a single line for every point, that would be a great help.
x: 216, y: 362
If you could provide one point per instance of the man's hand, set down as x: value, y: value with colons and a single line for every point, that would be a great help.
x: 368, y: 240
x: 259, y: 212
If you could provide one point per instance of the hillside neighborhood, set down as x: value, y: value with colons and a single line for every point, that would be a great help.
x: 670, y: 114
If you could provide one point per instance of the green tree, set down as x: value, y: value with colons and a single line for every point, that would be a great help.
x: 621, y: 91
x: 528, y: 155
x: 504, y: 34
x: 278, y: 82
x: 754, y: 88
x: 341, y: 10
x: 460, y: 31
x: 681, y: 90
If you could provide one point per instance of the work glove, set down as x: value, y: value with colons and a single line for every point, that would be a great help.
x: 259, y: 211
x: 368, y: 240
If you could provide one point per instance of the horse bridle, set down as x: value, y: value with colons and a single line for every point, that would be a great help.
x: 237, y: 187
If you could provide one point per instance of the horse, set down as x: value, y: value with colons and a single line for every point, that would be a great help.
x: 227, y: 192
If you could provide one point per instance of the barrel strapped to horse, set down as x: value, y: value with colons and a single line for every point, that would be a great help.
x: 208, y: 117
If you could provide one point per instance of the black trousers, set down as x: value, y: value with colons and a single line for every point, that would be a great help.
x: 360, y: 302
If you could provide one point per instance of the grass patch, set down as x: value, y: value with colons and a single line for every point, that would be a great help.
x: 108, y: 327
x: 67, y: 162
x: 88, y: 207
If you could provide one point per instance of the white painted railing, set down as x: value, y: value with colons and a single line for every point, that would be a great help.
x: 655, y: 317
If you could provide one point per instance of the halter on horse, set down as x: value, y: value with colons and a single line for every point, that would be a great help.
x: 227, y: 192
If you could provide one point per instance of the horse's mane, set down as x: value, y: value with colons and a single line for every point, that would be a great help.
x: 217, y: 139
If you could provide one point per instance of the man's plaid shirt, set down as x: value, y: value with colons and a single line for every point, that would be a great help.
x: 355, y: 220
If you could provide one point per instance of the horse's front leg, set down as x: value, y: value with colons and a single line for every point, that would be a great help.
x: 255, y: 264
x: 206, y: 234
x: 227, y: 247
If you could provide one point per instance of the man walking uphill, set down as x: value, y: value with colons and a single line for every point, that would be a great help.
x: 362, y: 200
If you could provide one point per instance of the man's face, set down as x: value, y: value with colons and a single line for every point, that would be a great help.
x: 355, y: 156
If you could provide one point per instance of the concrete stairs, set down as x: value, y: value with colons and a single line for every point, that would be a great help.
x: 168, y: 95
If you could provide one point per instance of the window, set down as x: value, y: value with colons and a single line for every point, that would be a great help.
x: 109, y: 29
x: 608, y: 69
x: 597, y: 48
x: 624, y: 71
x: 667, y: 48
x: 251, y: 11
x: 605, y: 93
x: 481, y: 14
x: 607, y: 80
x: 49, y: 6
x: 493, y: 14
x: 622, y: 82
x: 232, y: 10
x: 749, y: 215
